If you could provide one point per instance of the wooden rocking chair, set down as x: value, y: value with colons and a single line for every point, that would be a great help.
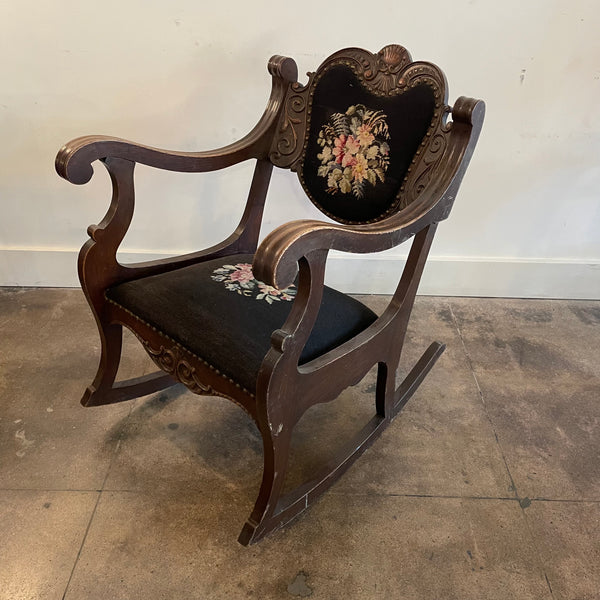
x: 369, y: 139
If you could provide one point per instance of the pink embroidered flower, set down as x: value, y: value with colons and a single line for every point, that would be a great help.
x: 239, y: 278
x: 242, y: 273
x: 364, y: 135
x: 267, y: 289
x: 359, y: 170
x: 270, y: 293
x: 351, y: 148
x: 352, y: 145
x: 349, y: 160
x: 338, y: 150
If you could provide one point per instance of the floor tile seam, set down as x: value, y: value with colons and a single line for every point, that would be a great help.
x: 418, y: 495
x: 125, y: 423
x: 482, y: 399
x: 100, y: 494
x: 52, y: 490
x: 567, y: 500
x: 538, y: 550
x: 105, y: 490
x: 332, y: 492
x: 85, y: 534
x: 511, y: 498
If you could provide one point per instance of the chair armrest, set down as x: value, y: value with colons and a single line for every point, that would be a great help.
x: 74, y: 160
x: 276, y: 260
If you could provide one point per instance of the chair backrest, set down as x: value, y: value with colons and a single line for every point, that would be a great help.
x: 364, y: 133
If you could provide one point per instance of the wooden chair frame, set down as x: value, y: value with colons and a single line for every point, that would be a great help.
x: 284, y: 390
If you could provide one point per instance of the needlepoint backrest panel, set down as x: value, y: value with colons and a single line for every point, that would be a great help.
x: 359, y: 132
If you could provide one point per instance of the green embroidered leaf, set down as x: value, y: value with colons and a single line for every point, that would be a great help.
x: 345, y: 186
x: 334, y: 177
x: 358, y: 189
x: 372, y: 151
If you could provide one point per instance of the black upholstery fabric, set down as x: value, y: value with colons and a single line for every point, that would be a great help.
x: 408, y: 116
x: 228, y: 330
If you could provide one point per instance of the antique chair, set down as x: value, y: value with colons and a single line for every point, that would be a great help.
x: 369, y: 139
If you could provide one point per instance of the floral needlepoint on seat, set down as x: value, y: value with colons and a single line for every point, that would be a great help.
x: 355, y: 150
x: 239, y: 278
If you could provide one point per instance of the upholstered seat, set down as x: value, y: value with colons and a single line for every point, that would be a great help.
x: 219, y: 312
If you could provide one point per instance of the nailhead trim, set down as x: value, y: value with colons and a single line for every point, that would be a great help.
x: 435, y: 124
x: 183, y: 348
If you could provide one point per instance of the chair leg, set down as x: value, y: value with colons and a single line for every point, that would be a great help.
x: 263, y: 518
x: 104, y: 389
x: 111, y: 338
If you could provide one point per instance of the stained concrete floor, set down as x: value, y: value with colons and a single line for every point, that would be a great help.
x: 487, y: 485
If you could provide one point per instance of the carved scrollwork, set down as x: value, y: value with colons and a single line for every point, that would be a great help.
x: 422, y: 171
x: 172, y: 361
x: 287, y: 144
x: 433, y: 146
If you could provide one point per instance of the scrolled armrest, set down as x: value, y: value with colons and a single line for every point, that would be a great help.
x: 276, y: 260
x: 74, y: 160
x: 470, y: 111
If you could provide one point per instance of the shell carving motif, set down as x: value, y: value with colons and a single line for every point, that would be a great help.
x: 394, y: 55
x: 382, y: 70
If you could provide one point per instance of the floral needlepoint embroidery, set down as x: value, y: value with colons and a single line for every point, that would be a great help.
x: 355, y: 150
x: 239, y: 278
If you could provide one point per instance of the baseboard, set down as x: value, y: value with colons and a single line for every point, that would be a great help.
x: 352, y: 273
x: 467, y: 276
x: 51, y: 267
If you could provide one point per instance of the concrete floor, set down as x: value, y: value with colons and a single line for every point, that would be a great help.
x: 487, y: 486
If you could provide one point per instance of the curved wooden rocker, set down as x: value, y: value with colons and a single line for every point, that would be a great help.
x: 369, y: 138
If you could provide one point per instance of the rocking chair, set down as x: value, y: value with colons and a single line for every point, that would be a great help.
x: 369, y: 139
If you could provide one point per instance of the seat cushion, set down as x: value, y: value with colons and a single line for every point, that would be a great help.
x: 218, y: 311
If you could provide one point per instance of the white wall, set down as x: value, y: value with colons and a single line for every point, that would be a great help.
x: 191, y: 75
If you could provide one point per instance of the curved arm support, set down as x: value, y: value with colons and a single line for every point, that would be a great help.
x: 97, y: 265
x: 74, y: 160
x: 281, y: 362
x: 276, y: 260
